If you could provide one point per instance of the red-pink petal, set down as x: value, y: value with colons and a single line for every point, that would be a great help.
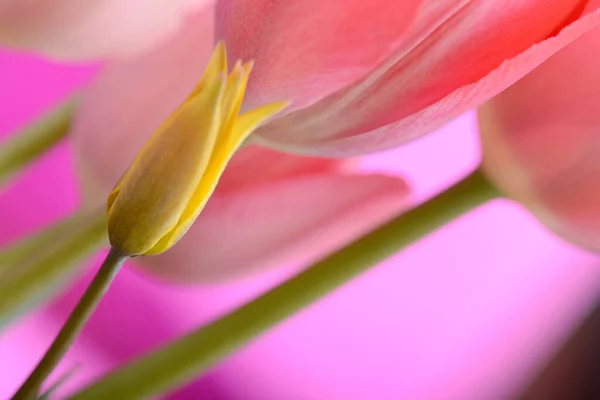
x: 304, y: 50
x: 91, y: 29
x: 541, y: 140
x: 454, y: 56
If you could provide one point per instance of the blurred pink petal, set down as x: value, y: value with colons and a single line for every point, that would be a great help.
x: 269, y: 207
x: 366, y: 78
x: 130, y: 98
x: 541, y: 143
x: 287, y: 217
x: 92, y: 29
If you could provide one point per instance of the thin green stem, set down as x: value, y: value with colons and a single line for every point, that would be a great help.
x: 182, y: 360
x: 35, y: 267
x: 30, y: 389
x: 22, y: 147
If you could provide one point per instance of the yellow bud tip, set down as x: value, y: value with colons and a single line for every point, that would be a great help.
x: 172, y: 177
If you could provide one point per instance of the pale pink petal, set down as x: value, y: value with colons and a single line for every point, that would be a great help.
x: 297, y: 219
x: 127, y: 101
x: 541, y: 140
x: 93, y: 28
x: 454, y: 56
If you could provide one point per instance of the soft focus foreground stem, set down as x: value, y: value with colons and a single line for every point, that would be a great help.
x: 32, y: 269
x: 182, y: 360
x: 76, y: 321
x: 22, y: 147
x: 14, y: 255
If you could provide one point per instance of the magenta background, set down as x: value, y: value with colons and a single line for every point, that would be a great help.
x: 468, y: 313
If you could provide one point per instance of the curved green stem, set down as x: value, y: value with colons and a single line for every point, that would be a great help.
x: 22, y: 147
x: 182, y: 360
x: 84, y: 308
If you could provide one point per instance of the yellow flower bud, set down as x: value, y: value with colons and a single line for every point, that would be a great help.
x: 166, y: 187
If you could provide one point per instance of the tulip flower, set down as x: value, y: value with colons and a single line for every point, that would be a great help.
x: 98, y: 29
x: 360, y: 76
x: 541, y: 141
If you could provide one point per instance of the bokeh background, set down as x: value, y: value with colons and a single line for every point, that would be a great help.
x: 474, y: 311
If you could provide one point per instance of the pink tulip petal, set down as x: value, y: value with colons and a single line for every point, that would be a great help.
x: 455, y: 56
x: 297, y: 218
x: 304, y: 50
x: 541, y: 140
x: 256, y: 165
x: 94, y: 28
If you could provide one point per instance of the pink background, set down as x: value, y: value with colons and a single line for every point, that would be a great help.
x: 468, y: 313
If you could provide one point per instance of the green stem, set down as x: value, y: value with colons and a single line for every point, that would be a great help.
x: 182, y: 360
x: 36, y: 266
x: 72, y: 327
x: 21, y: 148
x: 17, y: 253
